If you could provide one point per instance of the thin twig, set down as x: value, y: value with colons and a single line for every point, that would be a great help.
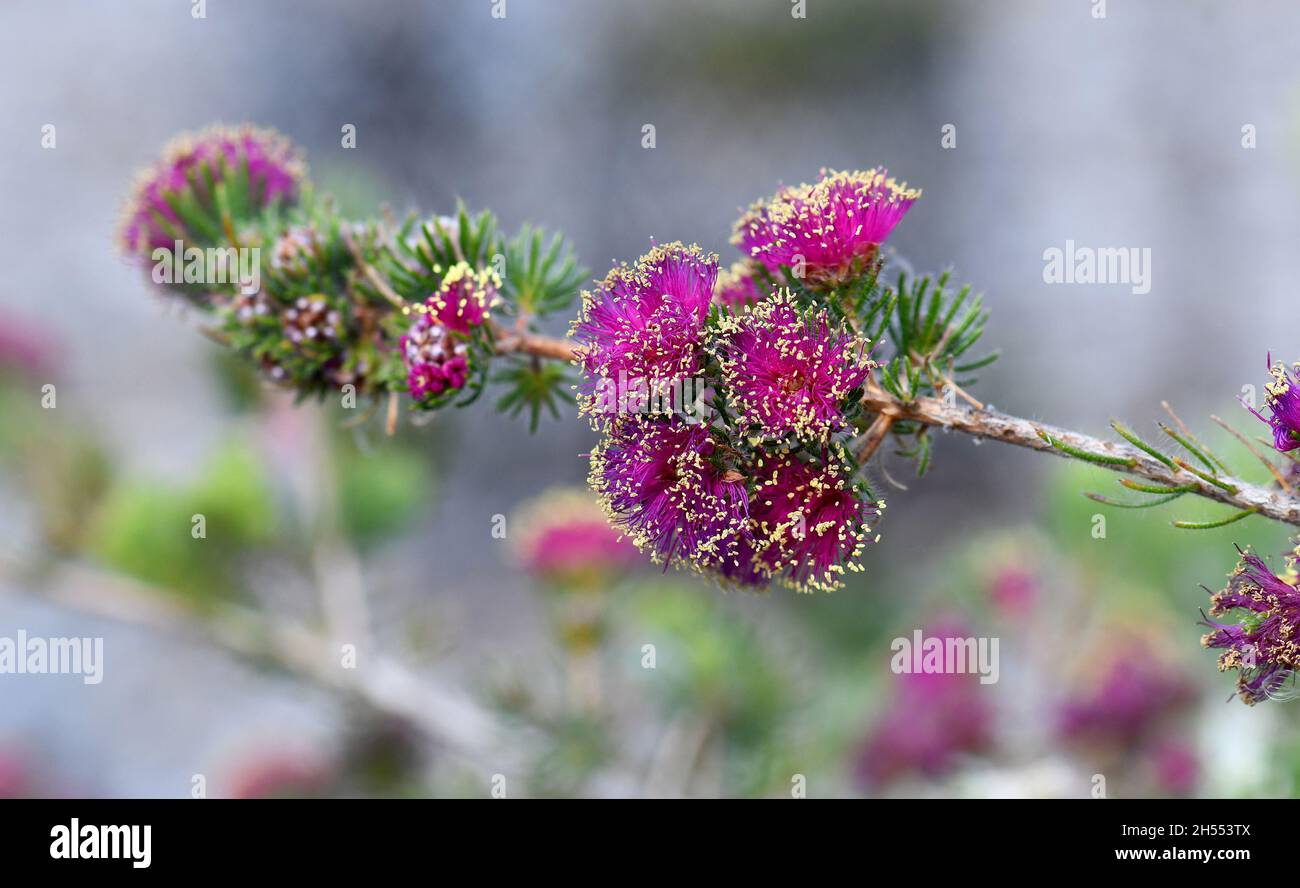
x: 390, y: 422
x: 375, y: 278
x: 875, y: 436
x: 1268, y: 463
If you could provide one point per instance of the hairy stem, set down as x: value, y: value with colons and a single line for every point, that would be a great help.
x: 1026, y: 433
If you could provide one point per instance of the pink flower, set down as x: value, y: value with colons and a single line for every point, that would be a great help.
x: 1014, y: 591
x: 659, y: 483
x: 809, y: 523
x: 191, y: 169
x: 24, y: 348
x: 789, y: 373
x: 436, y: 347
x: 932, y: 720
x: 1176, y: 767
x: 15, y: 777
x: 1132, y: 697
x: 737, y: 287
x: 280, y: 775
x: 644, y: 324
x: 566, y: 536
x: 833, y: 229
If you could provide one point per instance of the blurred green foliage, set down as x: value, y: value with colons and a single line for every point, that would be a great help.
x: 145, y: 529
x: 381, y: 492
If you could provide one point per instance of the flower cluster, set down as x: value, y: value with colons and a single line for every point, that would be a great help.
x: 1262, y: 645
x: 831, y: 230
x: 1131, y: 716
x: 809, y: 521
x: 303, y: 341
x: 756, y: 491
x: 24, y: 350
x: 436, y: 348
x: 758, y: 485
x: 242, y: 170
x: 339, y: 308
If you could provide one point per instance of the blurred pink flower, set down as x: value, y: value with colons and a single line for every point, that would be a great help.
x: 932, y: 720
x: 1014, y: 591
x: 1134, y: 695
x: 15, y: 782
x: 1176, y: 767
x: 564, y: 533
x: 24, y: 348
x: 279, y: 775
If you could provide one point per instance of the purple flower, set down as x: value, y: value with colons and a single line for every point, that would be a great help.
x: 741, y: 566
x: 737, y: 288
x: 1134, y: 696
x: 436, y: 348
x: 190, y: 168
x: 661, y: 483
x: 809, y: 523
x: 933, y: 719
x: 644, y: 323
x: 1283, y: 401
x: 833, y: 228
x: 789, y: 374
x: 1262, y: 645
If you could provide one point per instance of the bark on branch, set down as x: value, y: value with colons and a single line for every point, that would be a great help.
x: 1026, y: 433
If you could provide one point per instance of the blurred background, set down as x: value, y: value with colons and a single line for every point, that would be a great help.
x: 541, y: 660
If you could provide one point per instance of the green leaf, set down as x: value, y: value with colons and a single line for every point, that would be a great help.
x: 542, y: 277
x: 534, y: 386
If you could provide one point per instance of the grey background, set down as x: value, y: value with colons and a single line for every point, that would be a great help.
x: 1124, y: 131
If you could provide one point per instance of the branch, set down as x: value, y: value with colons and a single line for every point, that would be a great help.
x: 1120, y: 457
x: 512, y: 341
x: 451, y: 721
